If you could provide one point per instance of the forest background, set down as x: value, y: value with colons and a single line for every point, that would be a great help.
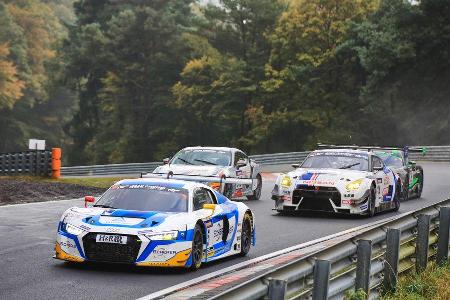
x: 114, y: 81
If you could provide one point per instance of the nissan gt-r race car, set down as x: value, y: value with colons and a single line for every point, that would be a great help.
x: 156, y: 223
x: 411, y: 174
x: 339, y: 181
x: 227, y: 170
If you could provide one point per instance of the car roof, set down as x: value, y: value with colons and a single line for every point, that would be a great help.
x: 172, y: 183
x: 212, y: 148
x: 353, y: 151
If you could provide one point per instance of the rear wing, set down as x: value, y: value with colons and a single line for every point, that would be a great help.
x: 406, y: 149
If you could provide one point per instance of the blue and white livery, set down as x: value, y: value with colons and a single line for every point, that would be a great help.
x: 156, y: 223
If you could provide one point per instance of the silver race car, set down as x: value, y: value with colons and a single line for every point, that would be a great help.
x: 340, y: 181
x: 227, y: 170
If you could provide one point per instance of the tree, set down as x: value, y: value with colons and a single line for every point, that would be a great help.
x: 220, y: 84
x: 124, y: 58
x: 29, y: 67
x: 10, y: 85
x: 316, y: 77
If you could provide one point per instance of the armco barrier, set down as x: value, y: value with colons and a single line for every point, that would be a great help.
x: 368, y: 258
x: 101, y: 170
x: 137, y: 168
x: 433, y: 153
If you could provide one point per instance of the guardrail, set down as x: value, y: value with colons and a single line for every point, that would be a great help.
x: 433, y: 153
x: 101, y: 170
x: 368, y: 259
x: 137, y: 168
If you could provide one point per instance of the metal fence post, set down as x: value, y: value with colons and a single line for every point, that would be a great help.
x: 391, y: 259
x: 322, y: 270
x: 363, y: 265
x: 423, y: 237
x: 277, y: 289
x: 443, y: 237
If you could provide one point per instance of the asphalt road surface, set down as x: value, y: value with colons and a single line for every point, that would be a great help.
x: 27, y: 234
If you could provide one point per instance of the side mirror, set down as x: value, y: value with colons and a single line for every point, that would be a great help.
x: 88, y: 199
x: 241, y: 163
x: 295, y: 166
x: 209, y: 206
x: 166, y: 160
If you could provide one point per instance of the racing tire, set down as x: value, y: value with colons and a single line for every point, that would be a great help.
x: 257, y: 192
x: 246, y: 235
x: 197, y: 249
x: 399, y: 196
x: 371, y: 203
x: 420, y: 185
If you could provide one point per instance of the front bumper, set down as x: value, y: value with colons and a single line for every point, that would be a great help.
x: 138, y: 250
x: 320, y: 199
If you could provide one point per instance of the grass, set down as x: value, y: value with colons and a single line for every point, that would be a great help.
x: 433, y: 283
x: 100, y: 182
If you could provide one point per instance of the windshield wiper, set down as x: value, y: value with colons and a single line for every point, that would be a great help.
x: 105, y: 206
x: 206, y: 162
x: 182, y: 159
x: 349, y: 166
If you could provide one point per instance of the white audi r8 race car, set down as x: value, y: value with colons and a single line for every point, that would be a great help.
x: 227, y: 170
x: 338, y: 181
x: 156, y: 223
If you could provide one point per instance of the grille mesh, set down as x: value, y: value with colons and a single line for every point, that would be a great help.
x: 108, y: 252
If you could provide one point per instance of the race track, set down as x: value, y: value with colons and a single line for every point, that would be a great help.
x: 27, y: 233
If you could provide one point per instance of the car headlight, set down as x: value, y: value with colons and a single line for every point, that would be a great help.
x: 286, y: 181
x: 354, y: 185
x: 163, y: 236
x: 72, y: 229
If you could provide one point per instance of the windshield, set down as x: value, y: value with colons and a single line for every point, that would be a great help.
x: 391, y: 159
x: 145, y: 198
x: 201, y: 157
x: 336, y: 160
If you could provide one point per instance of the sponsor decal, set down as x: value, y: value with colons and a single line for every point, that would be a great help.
x: 218, y: 233
x: 347, y: 202
x: 385, y: 191
x: 387, y: 180
x: 112, y: 229
x: 84, y: 227
x: 379, y: 180
x: 364, y: 206
x: 208, y: 224
x: 286, y: 198
x: 148, y: 187
x: 239, y: 172
x: 340, y: 154
x: 67, y: 244
x: 163, y: 252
